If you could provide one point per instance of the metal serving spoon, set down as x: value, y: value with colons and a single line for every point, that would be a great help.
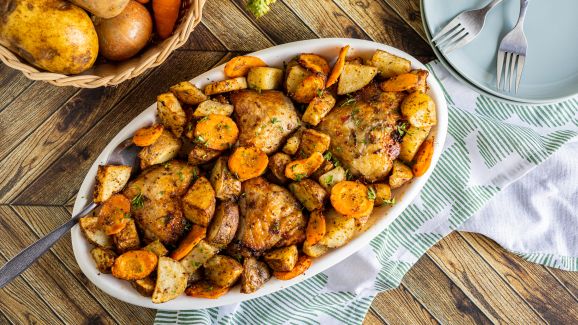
x: 124, y: 154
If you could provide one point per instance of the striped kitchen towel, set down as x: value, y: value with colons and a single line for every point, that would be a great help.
x: 490, y: 145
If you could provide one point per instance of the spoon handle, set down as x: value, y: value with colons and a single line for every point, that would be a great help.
x: 25, y: 258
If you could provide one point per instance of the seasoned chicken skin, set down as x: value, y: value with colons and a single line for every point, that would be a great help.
x: 269, y: 214
x: 264, y: 118
x: 362, y: 132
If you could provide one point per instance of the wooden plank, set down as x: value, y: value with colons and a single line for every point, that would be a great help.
x: 35, y: 217
x: 326, y: 19
x: 531, y: 281
x: 372, y: 319
x: 383, y: 25
x: 71, y: 163
x: 201, y: 39
x: 281, y: 25
x: 480, y: 283
x: 410, y: 12
x: 566, y: 278
x: 12, y: 83
x: 442, y: 298
x: 399, y: 306
x: 233, y: 28
x: 48, y: 277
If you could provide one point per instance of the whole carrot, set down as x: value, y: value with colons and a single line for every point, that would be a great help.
x: 166, y: 13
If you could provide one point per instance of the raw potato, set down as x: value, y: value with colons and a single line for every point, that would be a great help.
x: 411, y: 142
x: 110, y: 179
x: 188, y: 93
x: 255, y: 274
x: 382, y: 194
x: 419, y: 109
x: 212, y: 107
x: 309, y: 88
x: 164, y: 149
x: 239, y: 66
x: 314, y: 250
x: 201, y: 253
x: 102, y: 9
x: 127, y: 239
x: 309, y: 193
x: 355, y: 77
x: 171, y: 280
x: 103, y: 258
x: 200, y: 154
x: 224, y: 224
x: 299, y: 169
x: 171, y: 113
x: 265, y: 78
x: 277, y: 164
x: 332, y: 177
x: 400, y: 174
x: 53, y: 35
x: 295, y: 76
x: 225, y: 86
x: 339, y: 230
x: 389, y: 65
x: 157, y: 248
x: 313, y: 141
x: 145, y: 286
x: 282, y: 259
x: 93, y: 232
x: 318, y: 108
x: 224, y: 183
x: 199, y: 202
x: 223, y: 271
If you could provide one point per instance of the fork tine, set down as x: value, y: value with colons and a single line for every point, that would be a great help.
x: 499, y: 69
x: 463, y: 41
x: 447, y: 42
x: 521, y: 61
x: 447, y: 28
x: 506, y: 69
x: 512, y: 68
x: 448, y: 36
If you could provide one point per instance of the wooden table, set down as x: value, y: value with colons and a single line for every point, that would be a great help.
x: 50, y: 136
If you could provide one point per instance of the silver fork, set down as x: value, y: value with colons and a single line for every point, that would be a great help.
x: 512, y: 52
x: 463, y: 28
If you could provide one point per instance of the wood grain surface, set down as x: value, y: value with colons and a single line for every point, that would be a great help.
x: 50, y: 136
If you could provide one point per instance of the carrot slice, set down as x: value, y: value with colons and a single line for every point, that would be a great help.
x: 196, y: 234
x: 248, y: 162
x: 303, y: 168
x: 205, y: 290
x: 402, y: 82
x: 315, y: 228
x: 423, y: 158
x: 145, y: 137
x: 239, y: 66
x: 114, y: 214
x: 351, y: 199
x: 218, y: 132
x: 309, y: 88
x: 134, y: 265
x: 303, y: 263
x: 338, y: 67
x: 314, y: 62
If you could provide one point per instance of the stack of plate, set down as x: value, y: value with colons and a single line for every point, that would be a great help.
x: 551, y: 69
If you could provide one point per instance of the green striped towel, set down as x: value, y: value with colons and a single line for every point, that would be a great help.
x: 490, y: 144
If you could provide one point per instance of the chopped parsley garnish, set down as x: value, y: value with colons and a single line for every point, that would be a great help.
x: 401, y: 129
x: 329, y: 180
x: 204, y: 119
x: 200, y: 140
x: 167, y: 164
x: 320, y: 92
x: 137, y: 201
x: 299, y: 177
x: 390, y: 201
x: 328, y: 156
x: 371, y: 193
x: 274, y: 120
x: 181, y: 176
x: 350, y: 100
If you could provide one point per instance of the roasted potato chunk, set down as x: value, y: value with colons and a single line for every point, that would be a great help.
x: 265, y: 78
x: 419, y: 109
x: 277, y: 164
x: 93, y: 232
x: 400, y: 174
x: 226, y: 86
x: 309, y: 193
x: 164, y: 149
x: 332, y: 177
x: 223, y: 271
x: 110, y: 179
x: 188, y: 93
x: 295, y: 76
x: 103, y: 258
x: 171, y: 113
x: 313, y: 141
x: 389, y: 65
x: 200, y: 154
x: 201, y: 253
x: 314, y: 250
x: 355, y: 77
x: 255, y: 274
x: 157, y: 248
x: 318, y: 108
x: 411, y: 142
x: 127, y: 239
x: 145, y: 286
x: 339, y: 230
x: 212, y: 107
x: 282, y: 259
x: 171, y: 280
x: 292, y: 144
x: 382, y: 194
x: 199, y: 202
x: 224, y: 183
x: 224, y: 225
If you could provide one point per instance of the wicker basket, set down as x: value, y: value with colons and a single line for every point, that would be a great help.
x: 109, y: 74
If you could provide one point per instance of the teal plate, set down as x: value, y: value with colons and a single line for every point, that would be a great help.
x: 551, y: 70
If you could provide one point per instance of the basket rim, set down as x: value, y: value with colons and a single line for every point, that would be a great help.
x: 178, y: 39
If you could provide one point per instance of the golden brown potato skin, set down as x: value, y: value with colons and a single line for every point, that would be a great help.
x: 103, y: 258
x: 223, y: 271
x: 102, y: 9
x: 277, y: 164
x: 269, y: 213
x: 53, y: 35
x: 265, y: 119
x: 255, y: 274
x: 127, y: 239
x: 309, y: 193
x: 224, y: 225
x: 225, y: 184
x: 282, y: 259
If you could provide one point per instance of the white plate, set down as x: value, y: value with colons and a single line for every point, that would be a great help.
x: 274, y: 56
